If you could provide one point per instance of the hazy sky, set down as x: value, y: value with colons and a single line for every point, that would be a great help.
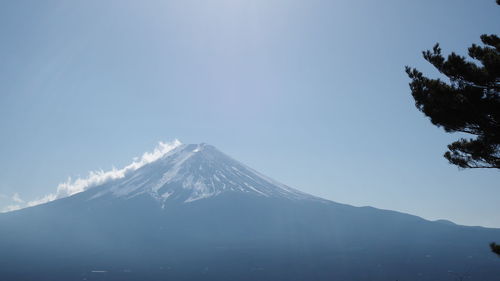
x: 311, y: 93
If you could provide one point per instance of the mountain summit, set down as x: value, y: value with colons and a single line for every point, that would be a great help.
x: 190, y: 212
x: 192, y: 172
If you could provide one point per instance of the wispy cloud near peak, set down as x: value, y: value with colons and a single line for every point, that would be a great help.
x: 95, y: 178
x: 16, y: 198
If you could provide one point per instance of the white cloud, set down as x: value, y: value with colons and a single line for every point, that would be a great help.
x: 45, y: 199
x: 11, y: 208
x: 16, y: 198
x: 95, y: 178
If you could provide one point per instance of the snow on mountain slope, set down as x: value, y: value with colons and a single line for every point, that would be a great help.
x: 193, y: 172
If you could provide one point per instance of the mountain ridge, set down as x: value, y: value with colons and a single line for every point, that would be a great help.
x: 193, y: 172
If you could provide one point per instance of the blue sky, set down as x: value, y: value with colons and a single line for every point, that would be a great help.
x: 311, y: 93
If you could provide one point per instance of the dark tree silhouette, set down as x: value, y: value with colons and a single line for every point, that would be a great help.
x: 469, y: 103
x: 495, y: 247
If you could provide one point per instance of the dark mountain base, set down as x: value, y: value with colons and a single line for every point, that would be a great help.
x: 236, y: 237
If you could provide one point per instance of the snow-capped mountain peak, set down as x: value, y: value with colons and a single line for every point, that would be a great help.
x: 191, y: 172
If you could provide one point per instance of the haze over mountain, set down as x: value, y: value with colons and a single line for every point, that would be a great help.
x: 197, y: 214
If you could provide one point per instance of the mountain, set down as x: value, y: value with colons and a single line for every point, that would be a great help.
x: 197, y: 214
x: 192, y: 172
